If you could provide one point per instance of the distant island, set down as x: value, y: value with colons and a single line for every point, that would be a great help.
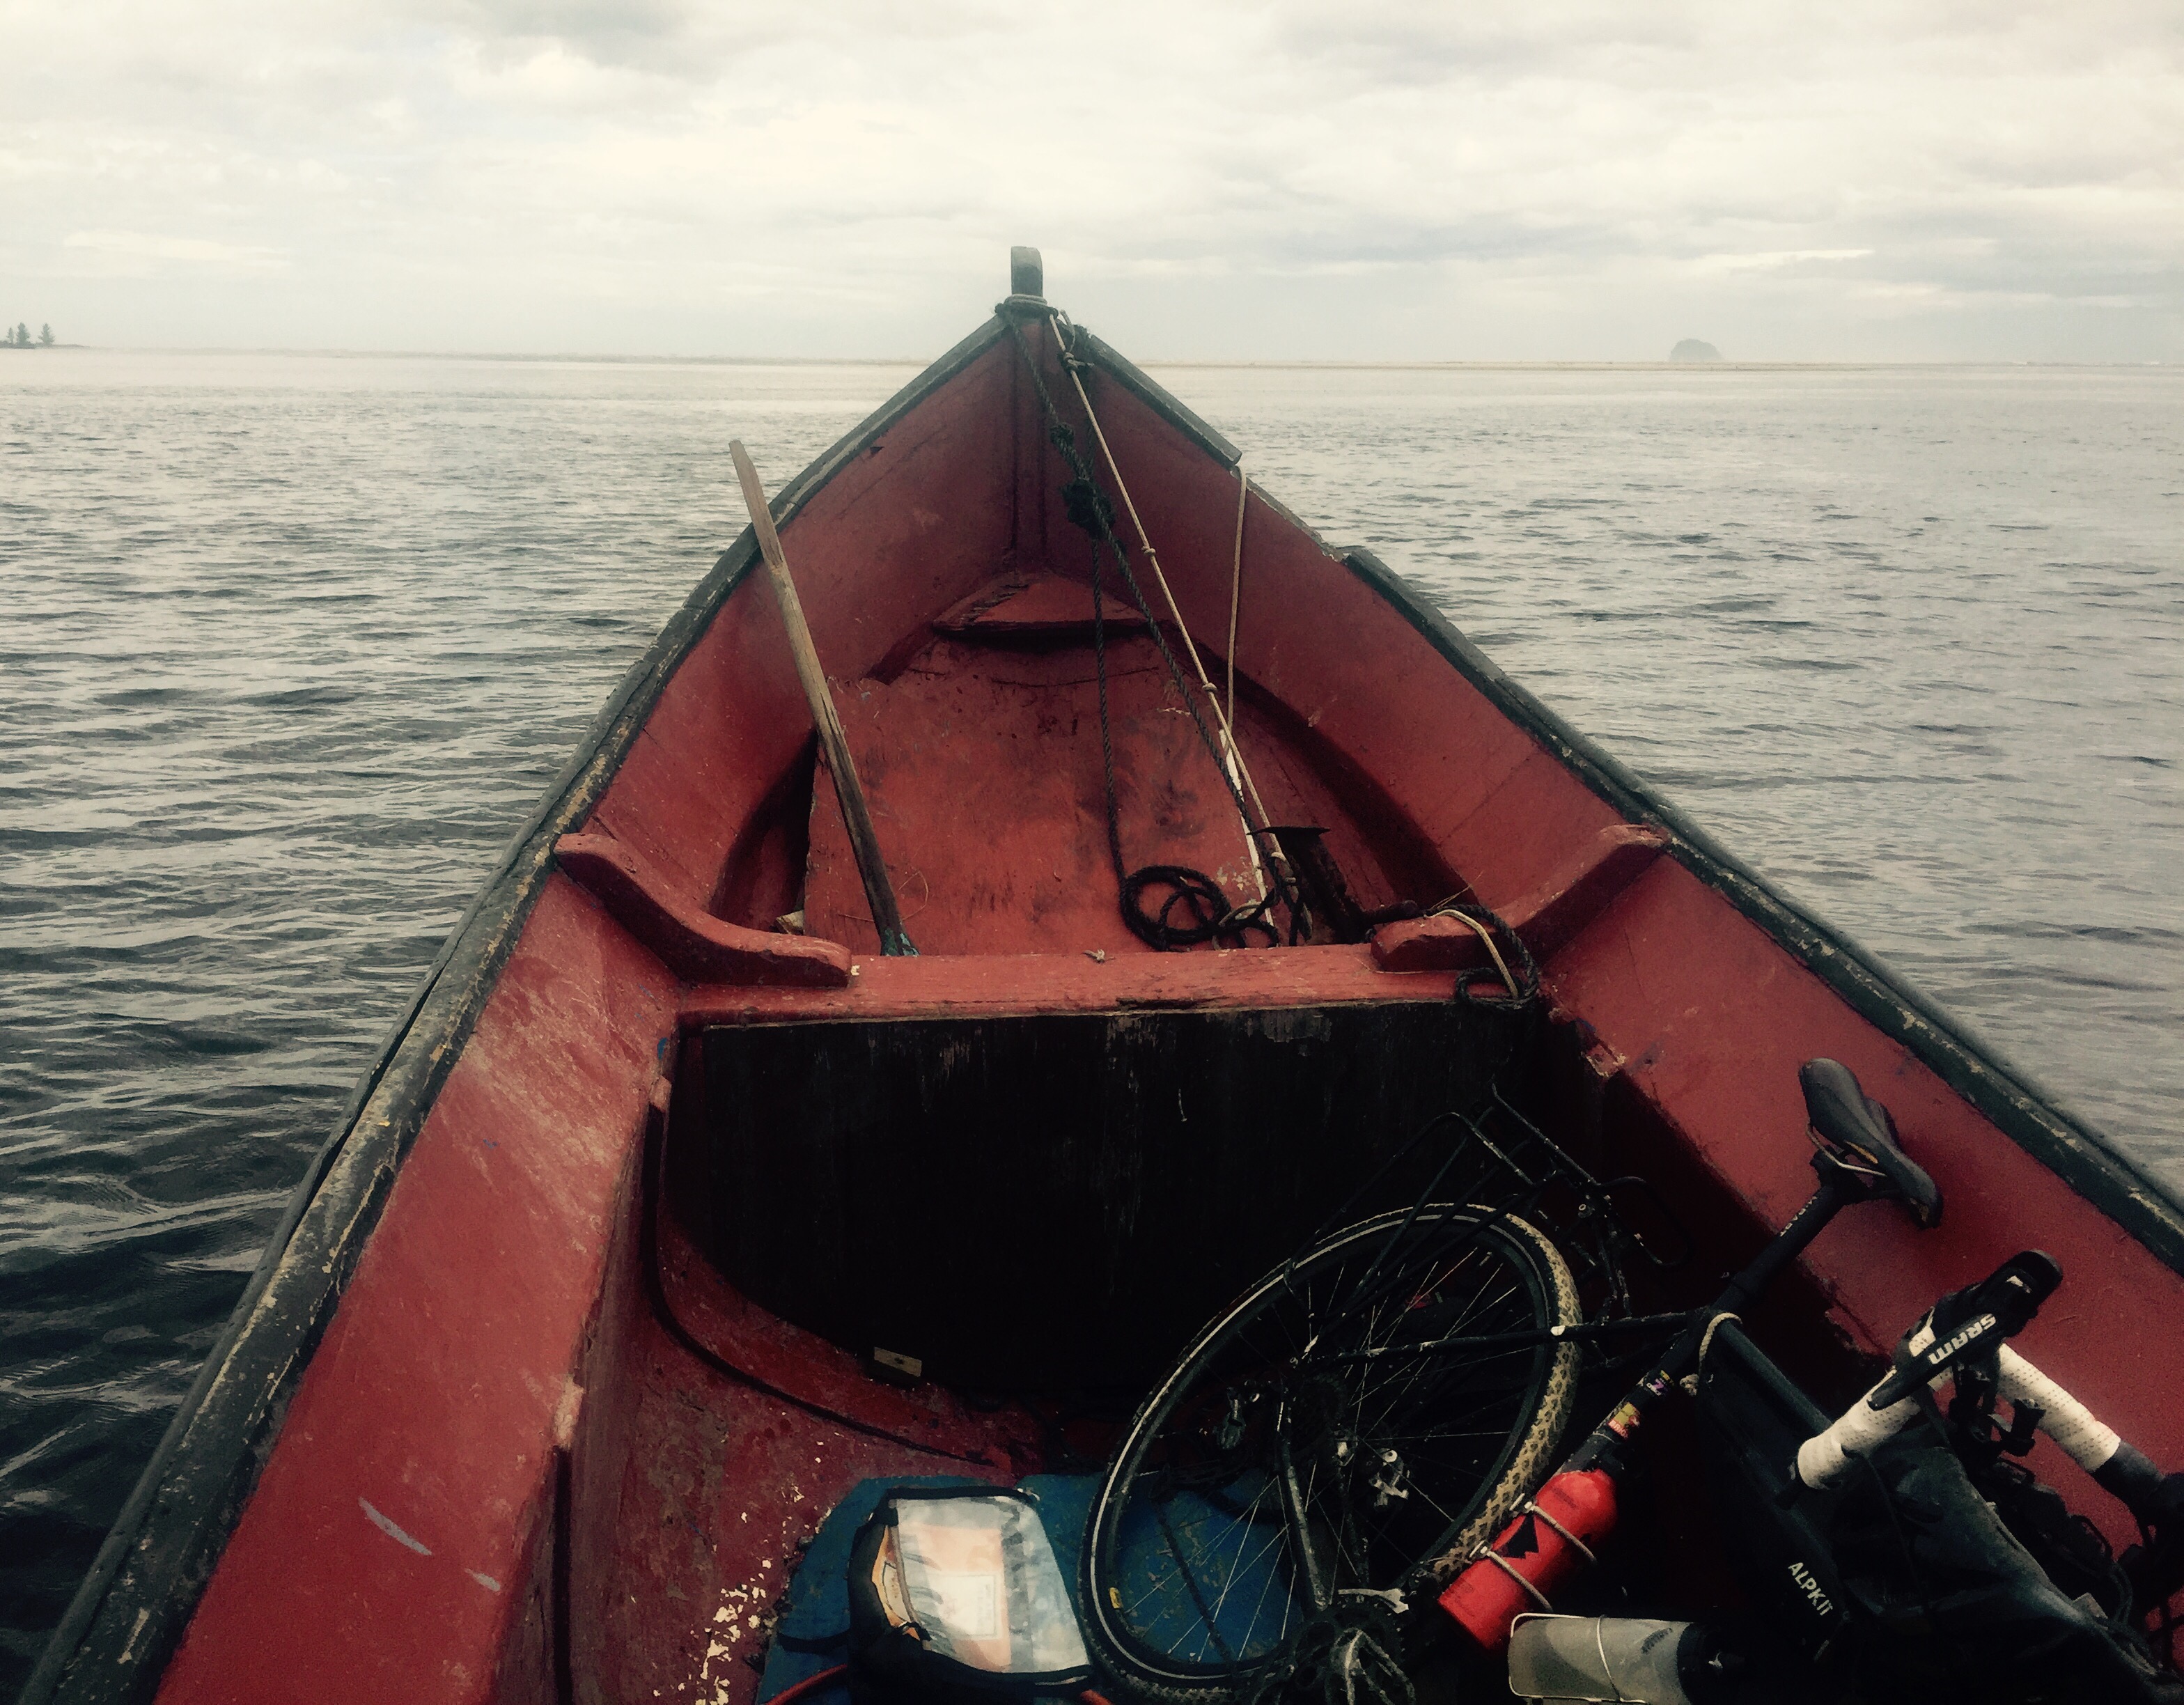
x: 21, y: 338
x: 1692, y: 350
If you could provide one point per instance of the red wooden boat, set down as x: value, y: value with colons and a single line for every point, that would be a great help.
x: 568, y: 1340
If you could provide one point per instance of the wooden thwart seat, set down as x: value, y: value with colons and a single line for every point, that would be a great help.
x: 1001, y: 984
x: 690, y: 942
x: 1548, y: 916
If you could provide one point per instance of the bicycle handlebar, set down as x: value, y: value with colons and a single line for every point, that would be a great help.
x: 2089, y: 1442
x: 1965, y: 1329
x: 1860, y: 1429
x: 1970, y: 1324
x: 2086, y: 1439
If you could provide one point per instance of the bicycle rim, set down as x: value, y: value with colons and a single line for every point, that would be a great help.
x: 1301, y: 1398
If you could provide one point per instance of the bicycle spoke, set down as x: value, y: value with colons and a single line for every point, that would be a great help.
x: 1280, y: 1467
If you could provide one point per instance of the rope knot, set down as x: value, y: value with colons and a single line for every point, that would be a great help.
x: 1088, y: 507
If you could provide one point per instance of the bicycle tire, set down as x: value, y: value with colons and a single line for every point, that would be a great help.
x: 1309, y: 1358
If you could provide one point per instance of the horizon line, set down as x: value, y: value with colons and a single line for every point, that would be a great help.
x: 1591, y: 364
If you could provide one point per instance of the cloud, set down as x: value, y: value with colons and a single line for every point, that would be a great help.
x: 1798, y: 257
x: 141, y: 254
x: 1291, y: 178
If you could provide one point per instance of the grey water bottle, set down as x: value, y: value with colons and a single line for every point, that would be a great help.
x: 1604, y: 1660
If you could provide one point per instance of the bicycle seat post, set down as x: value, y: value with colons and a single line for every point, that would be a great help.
x: 1785, y: 1247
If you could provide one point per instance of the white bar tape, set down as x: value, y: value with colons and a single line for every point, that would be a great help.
x: 1824, y: 1456
x: 2089, y: 1443
x: 2063, y: 1417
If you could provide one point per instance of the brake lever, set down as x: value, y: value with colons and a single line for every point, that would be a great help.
x: 1969, y: 1326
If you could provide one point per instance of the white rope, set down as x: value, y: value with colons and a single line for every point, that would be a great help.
x: 1691, y: 1380
x: 1235, y: 759
x: 1449, y: 908
x: 1236, y: 585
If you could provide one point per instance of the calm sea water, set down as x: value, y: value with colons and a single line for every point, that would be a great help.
x: 289, y: 645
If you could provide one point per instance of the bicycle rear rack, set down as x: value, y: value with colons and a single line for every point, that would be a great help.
x: 1502, y: 1161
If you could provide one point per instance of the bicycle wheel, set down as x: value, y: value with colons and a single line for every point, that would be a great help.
x: 1308, y: 1406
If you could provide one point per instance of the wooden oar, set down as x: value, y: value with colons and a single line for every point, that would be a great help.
x: 879, y: 894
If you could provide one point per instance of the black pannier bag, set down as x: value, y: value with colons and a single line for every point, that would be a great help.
x: 956, y: 1597
x: 1900, y: 1577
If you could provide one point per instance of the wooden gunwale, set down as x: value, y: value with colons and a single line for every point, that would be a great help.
x: 145, y: 1582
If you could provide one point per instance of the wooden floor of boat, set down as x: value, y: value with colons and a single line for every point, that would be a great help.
x: 982, y: 761
x: 725, y: 1484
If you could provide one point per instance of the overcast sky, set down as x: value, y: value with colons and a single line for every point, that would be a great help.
x: 1325, y: 179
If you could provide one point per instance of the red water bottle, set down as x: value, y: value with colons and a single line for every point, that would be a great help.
x: 1552, y: 1537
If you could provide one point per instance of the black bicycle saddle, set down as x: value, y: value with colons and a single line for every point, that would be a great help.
x: 1861, y: 1133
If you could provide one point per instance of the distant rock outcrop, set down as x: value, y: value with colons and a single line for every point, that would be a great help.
x: 1692, y: 350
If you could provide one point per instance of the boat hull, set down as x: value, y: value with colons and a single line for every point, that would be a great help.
x: 520, y: 1402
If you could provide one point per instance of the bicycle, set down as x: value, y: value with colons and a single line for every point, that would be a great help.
x: 1366, y: 1425
x: 1277, y: 1422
